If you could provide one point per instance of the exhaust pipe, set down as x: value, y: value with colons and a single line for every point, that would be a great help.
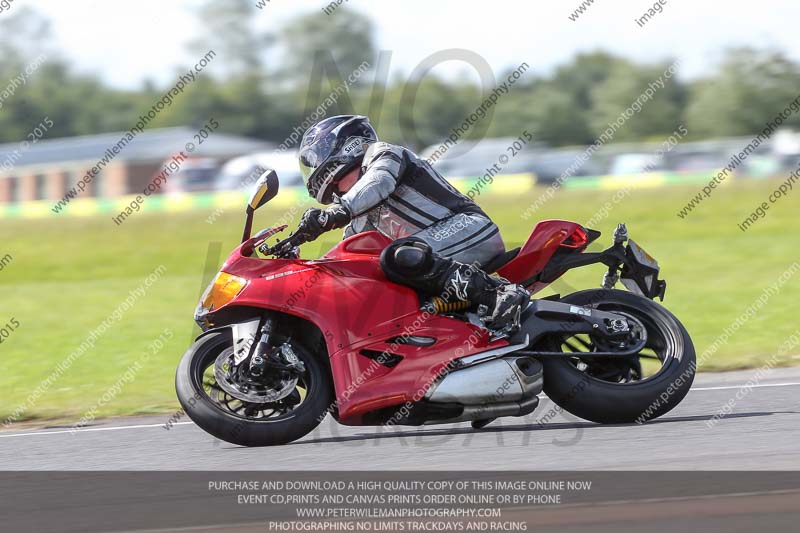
x: 482, y: 412
x: 506, y: 386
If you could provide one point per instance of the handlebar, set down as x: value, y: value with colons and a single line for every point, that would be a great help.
x: 293, y: 240
x: 285, y: 248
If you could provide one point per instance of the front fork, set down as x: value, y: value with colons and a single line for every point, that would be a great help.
x: 258, y: 361
x: 262, y: 354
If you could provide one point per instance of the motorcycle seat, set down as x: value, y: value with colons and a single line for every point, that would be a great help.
x: 500, y: 261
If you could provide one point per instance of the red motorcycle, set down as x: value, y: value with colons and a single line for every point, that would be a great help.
x: 286, y: 341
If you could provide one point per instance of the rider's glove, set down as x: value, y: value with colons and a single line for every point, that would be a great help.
x: 315, y: 222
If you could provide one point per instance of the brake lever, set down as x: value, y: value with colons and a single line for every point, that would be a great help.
x: 287, y: 247
x: 287, y: 251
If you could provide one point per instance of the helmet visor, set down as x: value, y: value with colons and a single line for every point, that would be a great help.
x: 315, y: 154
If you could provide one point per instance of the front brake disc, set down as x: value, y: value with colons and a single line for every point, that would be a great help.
x: 228, y: 379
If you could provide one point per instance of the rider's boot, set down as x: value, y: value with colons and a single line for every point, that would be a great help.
x: 499, y: 302
x: 412, y: 262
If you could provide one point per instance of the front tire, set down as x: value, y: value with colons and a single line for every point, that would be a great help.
x: 598, y: 391
x: 208, y: 407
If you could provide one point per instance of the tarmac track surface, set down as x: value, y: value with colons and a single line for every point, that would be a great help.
x: 761, y: 433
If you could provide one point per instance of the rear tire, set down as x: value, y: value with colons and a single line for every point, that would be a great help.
x: 606, y: 402
x: 238, y: 429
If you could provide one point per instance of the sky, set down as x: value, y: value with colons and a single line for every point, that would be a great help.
x: 125, y: 42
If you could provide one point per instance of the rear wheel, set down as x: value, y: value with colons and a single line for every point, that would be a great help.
x: 281, y: 408
x: 621, y: 390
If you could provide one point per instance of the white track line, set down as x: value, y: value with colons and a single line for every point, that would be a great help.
x: 87, y: 430
x: 142, y: 426
x: 759, y: 385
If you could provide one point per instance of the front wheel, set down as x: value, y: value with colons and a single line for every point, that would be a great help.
x: 621, y: 390
x: 303, y: 401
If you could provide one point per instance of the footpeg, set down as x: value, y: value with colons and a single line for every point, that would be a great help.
x: 480, y: 424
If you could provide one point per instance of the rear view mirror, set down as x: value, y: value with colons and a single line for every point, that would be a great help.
x: 266, y: 189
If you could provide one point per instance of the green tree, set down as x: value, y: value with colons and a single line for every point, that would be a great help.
x: 546, y: 112
x: 76, y: 104
x: 579, y: 78
x: 750, y: 88
x: 346, y: 36
x: 228, y: 29
x: 26, y: 35
x: 627, y: 84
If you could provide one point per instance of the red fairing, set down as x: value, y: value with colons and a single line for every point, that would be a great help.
x: 543, y: 242
x: 369, y: 243
x: 363, y: 385
x: 347, y: 296
x: 330, y: 292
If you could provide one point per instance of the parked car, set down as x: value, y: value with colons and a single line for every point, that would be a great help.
x: 695, y: 160
x: 550, y: 166
x: 635, y: 163
x: 242, y: 172
x: 470, y: 159
x: 194, y: 175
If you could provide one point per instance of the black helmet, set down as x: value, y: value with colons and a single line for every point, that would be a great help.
x: 332, y: 148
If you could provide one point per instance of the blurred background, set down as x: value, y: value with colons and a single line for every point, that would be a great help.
x: 601, y: 113
x: 272, y: 72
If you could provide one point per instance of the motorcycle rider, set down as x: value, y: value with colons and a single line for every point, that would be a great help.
x: 440, y: 237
